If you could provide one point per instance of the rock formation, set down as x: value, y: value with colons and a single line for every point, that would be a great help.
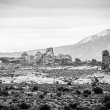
x: 105, y: 60
x: 46, y: 58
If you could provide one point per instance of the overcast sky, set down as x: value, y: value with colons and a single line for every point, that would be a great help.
x: 33, y: 24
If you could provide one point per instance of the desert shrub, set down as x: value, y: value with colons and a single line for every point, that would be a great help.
x: 35, y: 88
x: 65, y: 80
x: 105, y: 99
x: 19, y: 88
x: 3, y: 107
x: 11, y: 87
x: 14, y: 100
x: 41, y: 96
x: 78, y: 92
x: 24, y: 106
x: 1, y: 89
x: 103, y: 108
x: 4, y: 93
x: 98, y: 90
x: 45, y: 93
x: 13, y: 107
x: 73, y: 105
x: 107, y: 104
x: 86, y: 93
x: 66, y: 90
x: 29, y: 94
x: 15, y: 93
x: 96, y: 80
x: 69, y: 83
x: 6, y: 88
x: 57, y: 82
x: 44, y: 107
x: 83, y: 108
x: 58, y: 94
x: 93, y: 84
x: 67, y: 108
x: 60, y: 89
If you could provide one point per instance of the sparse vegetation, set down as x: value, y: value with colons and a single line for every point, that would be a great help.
x: 41, y: 96
x: 98, y: 90
x: 73, y: 105
x: 24, y: 106
x: 107, y: 104
x: 106, y: 98
x: 62, y: 94
x: 86, y: 93
x: 58, y: 94
x: 35, y: 88
x: 44, y: 107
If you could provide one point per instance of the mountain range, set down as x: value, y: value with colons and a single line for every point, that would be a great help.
x: 87, y: 49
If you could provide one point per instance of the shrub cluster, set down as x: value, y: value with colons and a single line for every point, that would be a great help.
x: 71, y: 106
x: 69, y: 83
x: 44, y: 107
x: 98, y: 90
x: 23, y: 105
x: 34, y: 88
x: 63, y: 89
x: 78, y: 92
x: 86, y: 93
x: 58, y: 94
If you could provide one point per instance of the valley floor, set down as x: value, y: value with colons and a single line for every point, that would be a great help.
x: 54, y: 89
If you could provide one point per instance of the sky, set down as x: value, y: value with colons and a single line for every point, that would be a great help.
x: 35, y: 24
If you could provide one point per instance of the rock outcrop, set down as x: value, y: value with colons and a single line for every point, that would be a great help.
x: 105, y: 60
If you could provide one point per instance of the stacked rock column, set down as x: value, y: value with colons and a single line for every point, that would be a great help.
x: 105, y: 60
x: 49, y: 56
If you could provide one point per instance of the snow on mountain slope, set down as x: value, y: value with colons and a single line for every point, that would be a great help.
x: 96, y: 36
x: 103, y: 33
x: 86, y: 40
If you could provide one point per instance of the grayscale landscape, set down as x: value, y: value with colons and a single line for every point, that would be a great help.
x: 54, y: 55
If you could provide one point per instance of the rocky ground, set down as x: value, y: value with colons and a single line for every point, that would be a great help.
x: 55, y: 89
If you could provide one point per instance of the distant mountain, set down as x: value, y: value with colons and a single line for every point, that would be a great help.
x: 90, y: 47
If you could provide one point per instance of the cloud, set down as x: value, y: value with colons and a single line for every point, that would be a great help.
x: 32, y: 24
x: 58, y: 3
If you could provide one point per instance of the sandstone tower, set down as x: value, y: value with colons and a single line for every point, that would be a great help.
x: 105, y: 60
x: 48, y: 57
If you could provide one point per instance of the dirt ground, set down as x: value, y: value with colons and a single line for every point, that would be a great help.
x: 55, y: 96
